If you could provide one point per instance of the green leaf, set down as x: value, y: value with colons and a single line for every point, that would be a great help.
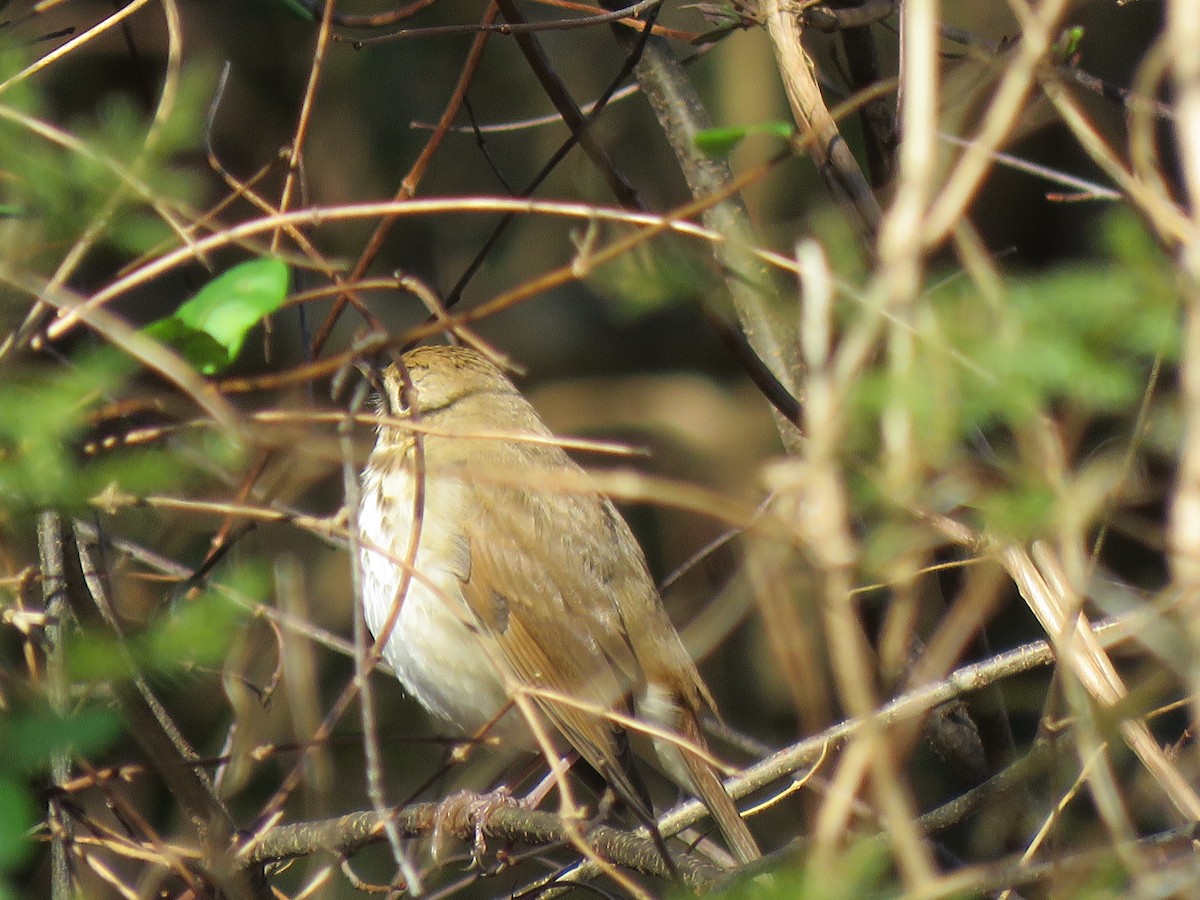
x: 32, y: 739
x: 298, y: 9
x: 44, y: 416
x: 1018, y: 512
x: 199, y: 348
x: 198, y: 632
x: 1067, y: 44
x: 209, y: 329
x: 18, y: 814
x: 193, y: 632
x: 719, y: 142
x: 94, y: 657
x: 861, y: 870
x: 651, y: 277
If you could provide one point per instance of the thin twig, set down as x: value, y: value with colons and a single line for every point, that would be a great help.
x: 54, y: 594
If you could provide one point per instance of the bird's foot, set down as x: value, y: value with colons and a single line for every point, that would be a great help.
x: 466, y: 814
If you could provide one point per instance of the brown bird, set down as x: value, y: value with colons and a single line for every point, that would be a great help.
x: 521, y: 583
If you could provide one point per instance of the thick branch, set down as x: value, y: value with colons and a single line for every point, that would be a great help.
x: 830, y: 152
x: 755, y: 302
x: 348, y: 833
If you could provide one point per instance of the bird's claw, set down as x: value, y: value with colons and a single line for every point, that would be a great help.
x: 466, y: 814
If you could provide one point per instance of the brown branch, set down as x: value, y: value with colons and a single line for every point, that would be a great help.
x: 878, y: 121
x: 169, y: 752
x: 346, y: 834
x: 626, y: 16
x: 54, y: 592
x: 829, y: 150
x: 762, y: 344
x: 832, y: 19
x: 410, y: 182
x: 909, y: 705
x: 572, y: 117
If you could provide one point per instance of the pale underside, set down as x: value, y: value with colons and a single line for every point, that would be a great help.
x: 517, y: 585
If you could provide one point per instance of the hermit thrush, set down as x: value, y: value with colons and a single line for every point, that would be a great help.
x: 518, y: 582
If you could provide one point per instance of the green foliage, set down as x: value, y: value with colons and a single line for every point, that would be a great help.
x: 104, y: 183
x: 295, y: 7
x: 198, y: 632
x: 650, y: 277
x: 109, y: 176
x: 18, y: 234
x: 111, y: 171
x: 209, y: 329
x: 194, y: 632
x: 42, y: 416
x: 1067, y: 44
x: 1020, y: 510
x: 1082, y: 336
x: 30, y: 738
x: 719, y: 142
x: 18, y: 814
x: 863, y: 870
x: 1081, y: 339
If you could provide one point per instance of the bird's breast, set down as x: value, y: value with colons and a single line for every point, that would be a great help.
x: 434, y: 647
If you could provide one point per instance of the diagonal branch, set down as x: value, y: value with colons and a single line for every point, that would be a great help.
x: 567, y: 108
x: 832, y: 155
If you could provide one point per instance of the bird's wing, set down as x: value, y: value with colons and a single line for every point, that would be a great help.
x: 555, y: 624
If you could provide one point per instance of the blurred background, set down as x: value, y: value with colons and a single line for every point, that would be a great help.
x: 624, y: 354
